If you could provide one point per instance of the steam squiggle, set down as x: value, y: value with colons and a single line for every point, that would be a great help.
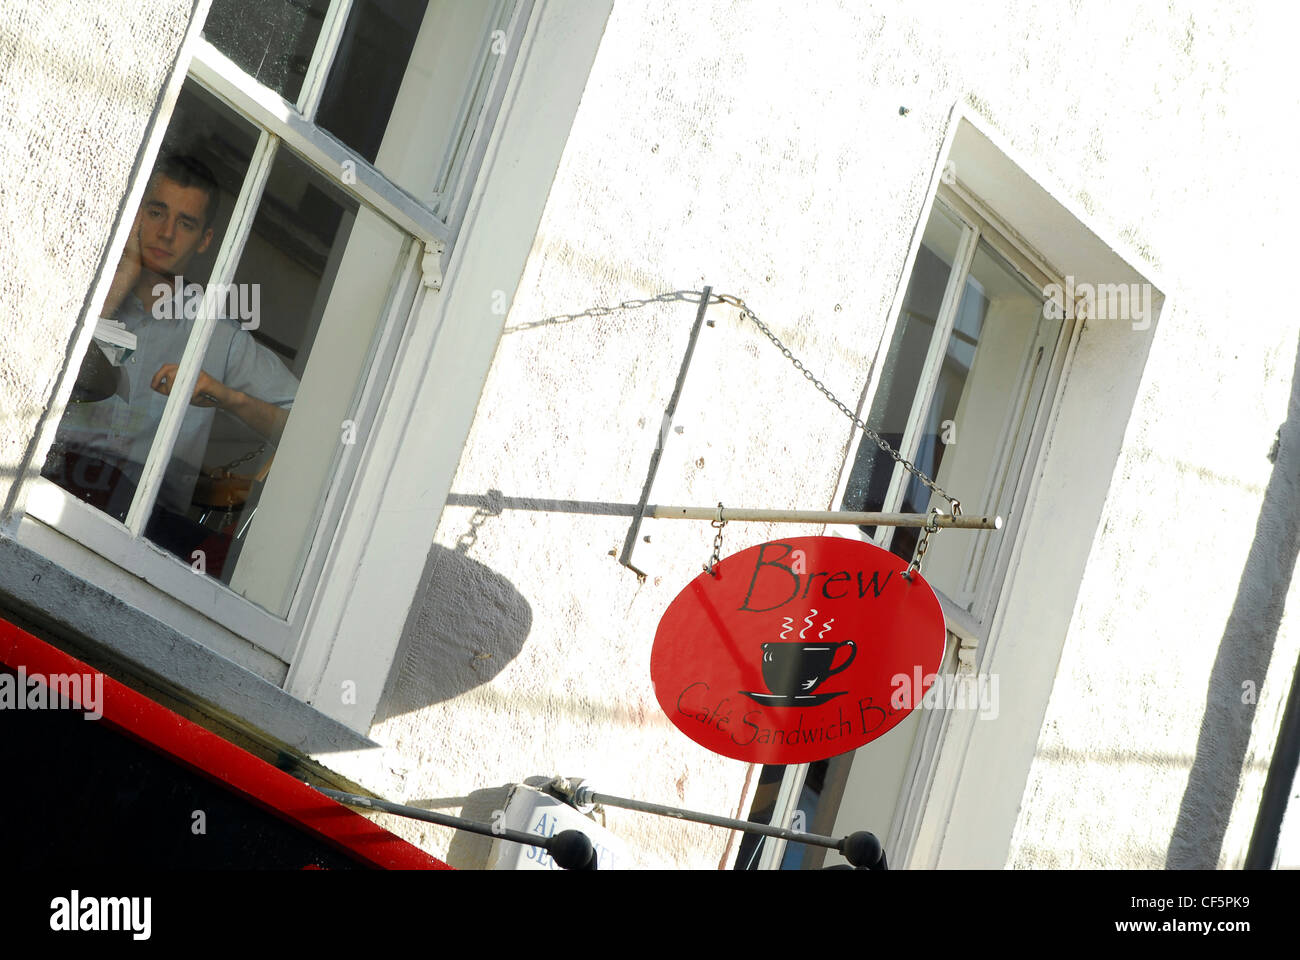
x: 788, y: 624
x: 808, y: 622
x: 826, y: 628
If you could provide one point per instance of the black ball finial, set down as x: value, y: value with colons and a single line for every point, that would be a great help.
x: 862, y: 849
x: 572, y: 850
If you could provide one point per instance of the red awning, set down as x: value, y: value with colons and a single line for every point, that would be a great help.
x: 250, y: 778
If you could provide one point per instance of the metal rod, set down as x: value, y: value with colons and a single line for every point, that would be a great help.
x: 442, y: 819
x: 826, y: 516
x: 584, y: 796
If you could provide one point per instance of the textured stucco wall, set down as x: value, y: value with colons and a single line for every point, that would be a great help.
x: 761, y: 149
x: 1152, y: 754
x: 78, y: 85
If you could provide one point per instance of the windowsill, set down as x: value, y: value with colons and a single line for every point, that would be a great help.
x: 95, y: 625
x: 961, y: 623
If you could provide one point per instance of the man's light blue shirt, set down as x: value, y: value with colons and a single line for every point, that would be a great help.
x: 120, y: 431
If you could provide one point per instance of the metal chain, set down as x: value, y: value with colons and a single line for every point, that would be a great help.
x: 244, y: 459
x: 907, y: 465
x: 717, y: 523
x: 931, y: 527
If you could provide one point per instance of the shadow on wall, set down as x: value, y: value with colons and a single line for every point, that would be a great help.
x: 1243, y: 658
x: 470, y: 621
x: 472, y: 851
x: 468, y: 624
x: 684, y: 296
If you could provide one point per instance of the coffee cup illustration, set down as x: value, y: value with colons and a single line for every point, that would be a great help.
x: 796, y: 669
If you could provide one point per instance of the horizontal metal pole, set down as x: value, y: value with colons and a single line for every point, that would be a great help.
x: 442, y: 819
x: 585, y: 795
x: 825, y: 516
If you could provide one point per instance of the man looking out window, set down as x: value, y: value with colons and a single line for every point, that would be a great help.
x: 102, y: 443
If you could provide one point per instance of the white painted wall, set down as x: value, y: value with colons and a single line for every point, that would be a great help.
x: 764, y: 152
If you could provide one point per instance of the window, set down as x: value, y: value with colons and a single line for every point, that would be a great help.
x: 958, y: 393
x: 310, y: 182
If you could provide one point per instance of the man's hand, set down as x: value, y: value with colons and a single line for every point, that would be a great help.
x: 266, y: 418
x: 128, y: 271
x: 208, y: 392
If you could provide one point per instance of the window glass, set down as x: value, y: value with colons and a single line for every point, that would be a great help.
x: 937, y: 428
x: 368, y: 69
x: 103, y: 440
x: 271, y: 40
x: 761, y: 811
x: 405, y: 85
x: 976, y: 428
x: 797, y: 856
x: 979, y: 399
x: 869, y: 478
x: 311, y: 288
x: 380, y: 96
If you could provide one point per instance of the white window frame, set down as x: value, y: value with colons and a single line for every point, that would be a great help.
x: 967, y: 632
x: 57, y: 524
x: 980, y: 224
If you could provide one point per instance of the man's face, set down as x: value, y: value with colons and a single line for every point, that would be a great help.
x: 171, y: 226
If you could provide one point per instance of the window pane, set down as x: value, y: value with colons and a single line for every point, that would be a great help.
x: 272, y: 40
x: 406, y: 84
x: 103, y: 441
x: 976, y: 428
x: 811, y: 816
x: 368, y: 71
x: 761, y: 811
x: 869, y: 479
x: 799, y: 856
x: 957, y: 358
x: 288, y: 361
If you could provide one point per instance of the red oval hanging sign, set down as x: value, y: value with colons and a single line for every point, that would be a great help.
x: 797, y: 650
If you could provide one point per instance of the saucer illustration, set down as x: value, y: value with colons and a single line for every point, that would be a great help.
x: 798, y: 700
